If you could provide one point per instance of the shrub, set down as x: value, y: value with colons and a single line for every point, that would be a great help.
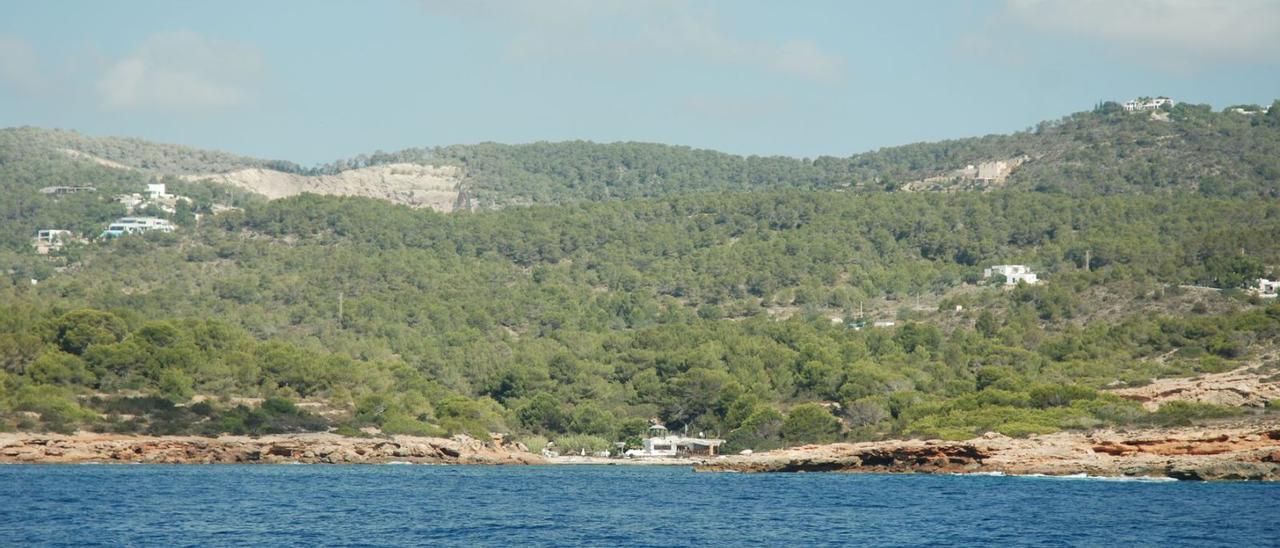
x: 1025, y: 429
x: 403, y: 425
x: 534, y: 442
x: 1060, y: 395
x: 56, y: 406
x: 78, y: 330
x: 810, y: 423
x: 476, y: 418
x: 274, y: 416
x: 760, y: 431
x: 581, y: 443
x: 176, y: 384
x: 543, y: 413
x: 1183, y: 413
x: 60, y: 368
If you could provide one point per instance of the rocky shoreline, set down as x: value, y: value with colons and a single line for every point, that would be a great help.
x: 279, y: 449
x: 1239, y: 451
x: 1245, y: 450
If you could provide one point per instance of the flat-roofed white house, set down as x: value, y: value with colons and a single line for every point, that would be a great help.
x: 1013, y: 273
x: 63, y: 190
x: 1267, y: 289
x: 156, y: 191
x: 661, y: 443
x: 51, y: 239
x: 1147, y: 103
x: 137, y: 225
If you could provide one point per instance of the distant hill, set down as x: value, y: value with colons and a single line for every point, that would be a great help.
x: 156, y: 158
x: 1186, y: 148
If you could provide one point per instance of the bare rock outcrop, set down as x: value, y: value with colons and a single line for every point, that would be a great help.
x: 302, y: 448
x: 414, y: 185
x: 1246, y: 450
x: 1243, y: 387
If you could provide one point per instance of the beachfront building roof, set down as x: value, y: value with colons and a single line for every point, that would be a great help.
x: 661, y: 444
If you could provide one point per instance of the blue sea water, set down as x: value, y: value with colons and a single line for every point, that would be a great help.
x: 150, y: 505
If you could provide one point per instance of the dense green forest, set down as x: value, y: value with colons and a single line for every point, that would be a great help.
x: 1105, y: 151
x: 585, y: 321
x: 732, y: 295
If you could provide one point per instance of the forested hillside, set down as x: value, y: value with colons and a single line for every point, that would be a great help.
x: 582, y: 322
x: 1186, y: 148
x: 1105, y: 151
x: 736, y: 296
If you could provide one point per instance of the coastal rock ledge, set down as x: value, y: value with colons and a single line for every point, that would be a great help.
x: 1240, y: 451
x: 300, y: 448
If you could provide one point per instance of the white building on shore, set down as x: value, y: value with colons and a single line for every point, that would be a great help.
x: 662, y: 443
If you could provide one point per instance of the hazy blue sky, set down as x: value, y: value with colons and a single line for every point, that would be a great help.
x: 311, y: 81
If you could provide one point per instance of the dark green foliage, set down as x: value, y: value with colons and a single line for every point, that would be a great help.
x: 760, y: 431
x: 809, y: 423
x: 274, y: 416
x: 1182, y: 413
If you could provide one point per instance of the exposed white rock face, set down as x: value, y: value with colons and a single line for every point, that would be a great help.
x: 414, y: 185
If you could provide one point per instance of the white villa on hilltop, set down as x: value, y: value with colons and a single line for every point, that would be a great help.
x: 137, y: 225
x: 1267, y: 289
x: 1013, y: 273
x: 661, y: 443
x: 156, y: 191
x: 156, y: 195
x: 1147, y: 103
x: 47, y: 240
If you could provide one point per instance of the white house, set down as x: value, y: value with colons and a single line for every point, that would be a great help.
x: 661, y: 443
x: 1013, y: 273
x: 1267, y: 289
x: 1249, y: 111
x: 1147, y: 103
x: 47, y: 240
x: 156, y: 191
x: 137, y: 225
x: 63, y: 190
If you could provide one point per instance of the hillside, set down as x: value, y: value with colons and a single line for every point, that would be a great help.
x: 582, y: 322
x: 770, y: 301
x: 1187, y: 148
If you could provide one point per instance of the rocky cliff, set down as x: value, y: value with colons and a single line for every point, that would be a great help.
x: 1240, y: 451
x: 414, y: 185
x: 302, y: 448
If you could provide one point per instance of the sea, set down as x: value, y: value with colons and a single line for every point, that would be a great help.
x: 421, y: 505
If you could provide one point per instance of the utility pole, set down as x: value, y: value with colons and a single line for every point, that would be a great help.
x: 1086, y: 260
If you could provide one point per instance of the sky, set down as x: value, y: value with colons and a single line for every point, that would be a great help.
x: 316, y: 80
